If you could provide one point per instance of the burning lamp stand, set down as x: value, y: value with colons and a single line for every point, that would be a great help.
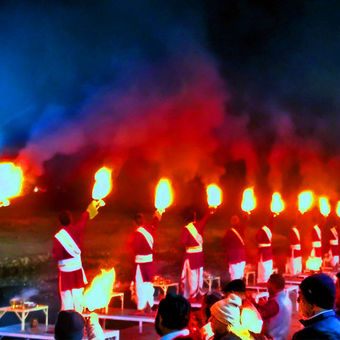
x: 22, y: 313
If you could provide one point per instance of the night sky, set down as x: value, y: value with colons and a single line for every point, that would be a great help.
x: 186, y: 89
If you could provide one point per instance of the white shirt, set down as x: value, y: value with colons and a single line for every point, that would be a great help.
x: 173, y: 335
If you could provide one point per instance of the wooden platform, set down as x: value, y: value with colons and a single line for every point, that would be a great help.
x: 14, y: 331
x: 128, y: 315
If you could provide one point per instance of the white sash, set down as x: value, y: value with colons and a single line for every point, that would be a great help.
x: 68, y: 243
x: 318, y: 231
x: 194, y: 233
x: 296, y: 233
x: 238, y: 235
x: 335, y: 233
x: 268, y: 232
x: 148, y: 237
x: 74, y: 263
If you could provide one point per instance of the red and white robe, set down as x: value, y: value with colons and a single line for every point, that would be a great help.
x: 316, y: 252
x: 143, y: 248
x: 265, y: 262
x: 294, y: 264
x: 67, y: 251
x: 235, y: 253
x: 334, y: 246
x: 192, y: 272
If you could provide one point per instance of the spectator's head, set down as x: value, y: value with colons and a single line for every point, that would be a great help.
x: 139, y: 219
x: 225, y: 314
x: 338, y: 291
x: 65, y: 218
x: 276, y: 284
x: 237, y: 287
x: 317, y: 293
x: 69, y: 326
x: 173, y: 314
x: 208, y: 300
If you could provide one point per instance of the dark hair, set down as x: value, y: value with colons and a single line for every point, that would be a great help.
x: 208, y: 300
x: 319, y: 290
x: 69, y: 326
x: 139, y: 218
x: 65, y: 218
x: 338, y: 275
x: 277, y: 280
x: 235, y: 286
x: 175, y: 311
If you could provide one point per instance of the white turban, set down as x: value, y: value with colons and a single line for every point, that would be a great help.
x: 227, y: 311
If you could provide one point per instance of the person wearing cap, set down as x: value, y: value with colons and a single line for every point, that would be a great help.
x: 67, y: 247
x: 173, y: 318
x: 316, y: 302
x: 277, y: 311
x: 143, y: 246
x: 265, y: 253
x: 192, y: 239
x: 234, y: 245
x: 226, y: 319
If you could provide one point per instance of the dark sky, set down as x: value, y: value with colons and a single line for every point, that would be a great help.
x: 186, y: 85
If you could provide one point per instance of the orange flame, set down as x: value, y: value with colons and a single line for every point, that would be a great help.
x: 306, y: 200
x: 103, y: 183
x: 163, y: 195
x: 214, y: 195
x: 251, y: 320
x: 277, y: 204
x: 11, y: 181
x: 249, y: 200
x: 99, y: 294
x: 324, y: 205
x: 338, y: 209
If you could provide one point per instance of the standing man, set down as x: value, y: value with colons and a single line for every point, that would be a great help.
x: 294, y: 264
x: 276, y: 313
x: 233, y: 242
x: 67, y: 245
x: 334, y: 246
x: 192, y: 239
x: 265, y: 263
x: 316, y: 252
x: 143, y: 243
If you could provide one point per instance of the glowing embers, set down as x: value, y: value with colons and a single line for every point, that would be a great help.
x: 11, y: 181
x: 305, y: 201
x: 163, y: 195
x: 214, y: 195
x: 277, y: 205
x: 99, y: 294
x: 249, y: 200
x: 103, y: 183
x: 324, y: 206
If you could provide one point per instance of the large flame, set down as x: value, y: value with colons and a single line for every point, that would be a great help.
x: 324, y: 205
x: 99, y: 294
x: 277, y: 204
x: 306, y: 200
x: 103, y: 183
x: 251, y: 320
x: 11, y: 181
x: 163, y: 195
x: 214, y: 195
x: 338, y: 209
x: 249, y: 200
